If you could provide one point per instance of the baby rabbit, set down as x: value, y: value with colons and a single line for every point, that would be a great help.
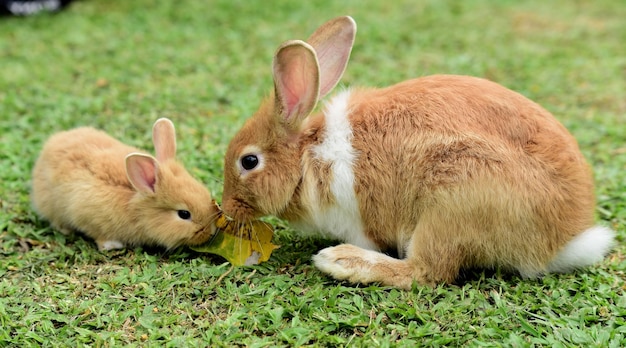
x: 84, y: 180
x: 448, y: 171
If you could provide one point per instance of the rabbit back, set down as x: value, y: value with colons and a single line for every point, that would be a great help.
x: 80, y: 183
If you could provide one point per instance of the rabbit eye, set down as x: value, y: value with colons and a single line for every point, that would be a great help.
x: 184, y: 214
x: 251, y: 159
x: 249, y: 162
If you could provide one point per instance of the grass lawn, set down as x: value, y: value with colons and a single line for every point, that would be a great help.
x: 119, y: 65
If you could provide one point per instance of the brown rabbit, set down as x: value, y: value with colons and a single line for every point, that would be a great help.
x: 448, y: 171
x: 84, y: 180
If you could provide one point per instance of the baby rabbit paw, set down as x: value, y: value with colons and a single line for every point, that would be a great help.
x: 105, y: 245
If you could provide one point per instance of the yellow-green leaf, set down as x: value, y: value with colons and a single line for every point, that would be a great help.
x: 242, y: 244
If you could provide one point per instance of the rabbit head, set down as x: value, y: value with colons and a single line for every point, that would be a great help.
x: 263, y: 163
x: 174, y: 207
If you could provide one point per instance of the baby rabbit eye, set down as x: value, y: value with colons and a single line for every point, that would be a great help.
x: 249, y: 162
x: 184, y: 214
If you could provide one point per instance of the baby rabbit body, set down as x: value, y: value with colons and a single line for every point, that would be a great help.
x: 84, y: 180
x: 450, y: 171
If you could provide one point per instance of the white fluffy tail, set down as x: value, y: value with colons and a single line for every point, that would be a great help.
x: 584, y: 250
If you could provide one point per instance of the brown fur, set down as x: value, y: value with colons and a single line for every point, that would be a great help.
x: 482, y: 184
x: 451, y: 171
x: 80, y: 184
x: 465, y: 151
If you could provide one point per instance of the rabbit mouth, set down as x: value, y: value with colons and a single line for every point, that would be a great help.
x: 203, y: 235
x: 239, y: 210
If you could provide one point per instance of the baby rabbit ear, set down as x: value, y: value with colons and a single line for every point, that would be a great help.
x: 333, y: 43
x: 142, y: 172
x: 296, y: 81
x: 164, y: 139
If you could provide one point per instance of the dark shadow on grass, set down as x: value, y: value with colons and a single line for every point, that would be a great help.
x: 479, y: 275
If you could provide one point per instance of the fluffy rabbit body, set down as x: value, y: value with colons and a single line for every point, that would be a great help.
x: 84, y: 180
x: 448, y: 171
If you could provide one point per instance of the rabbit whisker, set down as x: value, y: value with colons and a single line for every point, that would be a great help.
x: 213, y: 217
x: 258, y: 240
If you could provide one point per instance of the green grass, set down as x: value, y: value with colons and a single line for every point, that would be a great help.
x: 119, y: 65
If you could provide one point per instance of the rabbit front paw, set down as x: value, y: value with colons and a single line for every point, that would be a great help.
x: 357, y: 265
x: 347, y: 262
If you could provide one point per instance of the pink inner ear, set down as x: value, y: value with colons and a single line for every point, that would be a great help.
x: 295, y: 87
x: 333, y: 43
x: 296, y: 78
x: 332, y: 66
x: 142, y: 172
x: 149, y: 177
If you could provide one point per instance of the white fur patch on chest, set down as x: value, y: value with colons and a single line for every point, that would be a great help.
x: 341, y: 220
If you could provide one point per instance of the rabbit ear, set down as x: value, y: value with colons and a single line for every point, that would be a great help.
x: 333, y: 43
x: 142, y: 172
x: 164, y: 139
x: 296, y: 81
